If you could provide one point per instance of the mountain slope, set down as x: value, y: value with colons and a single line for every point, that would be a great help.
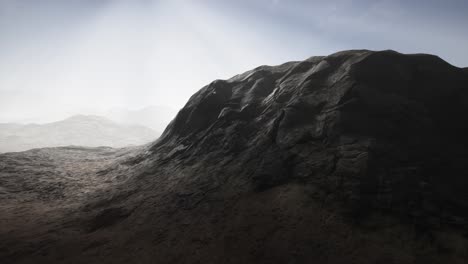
x: 81, y: 130
x: 356, y: 157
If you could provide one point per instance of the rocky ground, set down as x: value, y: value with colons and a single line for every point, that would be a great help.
x: 356, y: 157
x: 40, y: 189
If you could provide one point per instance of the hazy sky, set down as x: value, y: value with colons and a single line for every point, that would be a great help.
x: 63, y: 57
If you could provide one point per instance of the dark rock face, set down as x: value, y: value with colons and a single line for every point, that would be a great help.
x: 375, y: 129
x: 356, y: 157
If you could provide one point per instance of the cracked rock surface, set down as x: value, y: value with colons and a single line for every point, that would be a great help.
x: 356, y: 157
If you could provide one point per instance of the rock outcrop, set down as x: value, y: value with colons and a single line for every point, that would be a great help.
x: 356, y: 157
x: 374, y: 129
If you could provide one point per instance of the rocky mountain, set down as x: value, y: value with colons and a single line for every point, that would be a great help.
x: 80, y: 130
x: 355, y: 157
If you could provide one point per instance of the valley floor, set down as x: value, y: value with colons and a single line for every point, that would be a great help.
x: 41, y: 190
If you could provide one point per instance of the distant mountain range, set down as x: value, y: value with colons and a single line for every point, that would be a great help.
x: 79, y: 130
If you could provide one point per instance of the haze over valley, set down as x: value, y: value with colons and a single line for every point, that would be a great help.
x: 118, y: 127
x: 81, y: 130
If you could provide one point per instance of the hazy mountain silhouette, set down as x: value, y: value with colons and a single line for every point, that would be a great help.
x: 154, y: 117
x: 80, y: 130
x: 356, y: 157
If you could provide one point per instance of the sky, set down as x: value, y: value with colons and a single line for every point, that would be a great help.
x: 65, y: 57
